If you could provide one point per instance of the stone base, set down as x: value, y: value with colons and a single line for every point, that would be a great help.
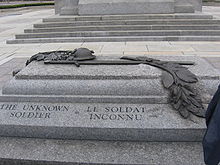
x: 32, y: 151
x: 103, y: 7
x: 145, y: 131
x: 106, y: 102
x: 95, y: 121
x: 184, y: 9
x: 69, y: 11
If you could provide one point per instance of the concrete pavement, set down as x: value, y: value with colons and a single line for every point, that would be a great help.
x: 21, y: 2
x: 15, y: 21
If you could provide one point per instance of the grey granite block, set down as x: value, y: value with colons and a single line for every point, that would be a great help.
x: 70, y: 7
x: 59, y: 152
x: 123, y: 81
x: 125, y: 27
x: 95, y: 121
x: 123, y: 88
x: 38, y: 70
x: 102, y: 7
x: 58, y: 5
x: 115, y: 39
x: 184, y: 9
x: 66, y: 7
x: 69, y: 10
x: 197, y: 4
x: 127, y: 17
x: 130, y: 22
x: 125, y: 6
x: 100, y: 102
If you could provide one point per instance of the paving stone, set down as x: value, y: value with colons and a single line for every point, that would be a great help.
x: 215, y: 61
x: 192, y: 42
x: 18, y: 60
x: 9, y: 50
x: 106, y: 44
x: 8, y: 65
x: 71, y: 46
x: 203, y: 54
x: 114, y: 48
x: 146, y: 43
x: 5, y: 71
x: 135, y: 48
x: 166, y: 53
x: 2, y: 83
x: 113, y: 52
x: 169, y: 48
x: 6, y: 78
x: 207, y: 47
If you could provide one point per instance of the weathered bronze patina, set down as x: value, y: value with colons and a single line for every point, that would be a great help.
x: 176, y: 78
x: 74, y: 56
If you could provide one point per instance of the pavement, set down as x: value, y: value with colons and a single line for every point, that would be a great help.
x: 21, y: 2
x: 14, y: 56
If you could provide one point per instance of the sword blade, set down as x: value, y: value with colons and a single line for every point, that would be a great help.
x: 112, y: 62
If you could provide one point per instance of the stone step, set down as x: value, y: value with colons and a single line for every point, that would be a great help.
x: 114, y: 39
x: 123, y: 28
x: 31, y: 151
x: 129, y: 22
x: 120, y: 33
x: 126, y: 17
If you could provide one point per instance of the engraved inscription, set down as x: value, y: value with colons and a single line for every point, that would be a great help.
x: 116, y: 113
x: 44, y: 108
x: 93, y: 113
x: 32, y: 111
x: 30, y: 115
x: 8, y: 106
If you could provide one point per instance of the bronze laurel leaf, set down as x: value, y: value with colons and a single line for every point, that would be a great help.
x: 167, y: 79
x: 186, y: 76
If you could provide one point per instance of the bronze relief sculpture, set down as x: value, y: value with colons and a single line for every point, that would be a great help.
x: 175, y: 77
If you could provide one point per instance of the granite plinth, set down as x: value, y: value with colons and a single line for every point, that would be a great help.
x: 133, y: 122
x: 70, y: 7
x: 101, y: 80
x: 126, y: 102
x: 102, y: 7
x: 196, y: 4
x: 32, y: 151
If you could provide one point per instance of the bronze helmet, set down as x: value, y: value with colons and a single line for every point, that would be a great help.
x: 81, y: 54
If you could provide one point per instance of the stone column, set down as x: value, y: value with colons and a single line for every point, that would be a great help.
x: 70, y: 7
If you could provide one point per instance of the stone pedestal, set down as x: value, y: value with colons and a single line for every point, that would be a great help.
x: 70, y: 7
x: 111, y: 7
x: 66, y: 7
x: 123, y: 109
x: 99, y: 102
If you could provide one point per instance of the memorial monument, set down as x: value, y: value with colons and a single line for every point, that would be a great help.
x: 75, y: 96
x: 73, y: 107
x: 102, y: 7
